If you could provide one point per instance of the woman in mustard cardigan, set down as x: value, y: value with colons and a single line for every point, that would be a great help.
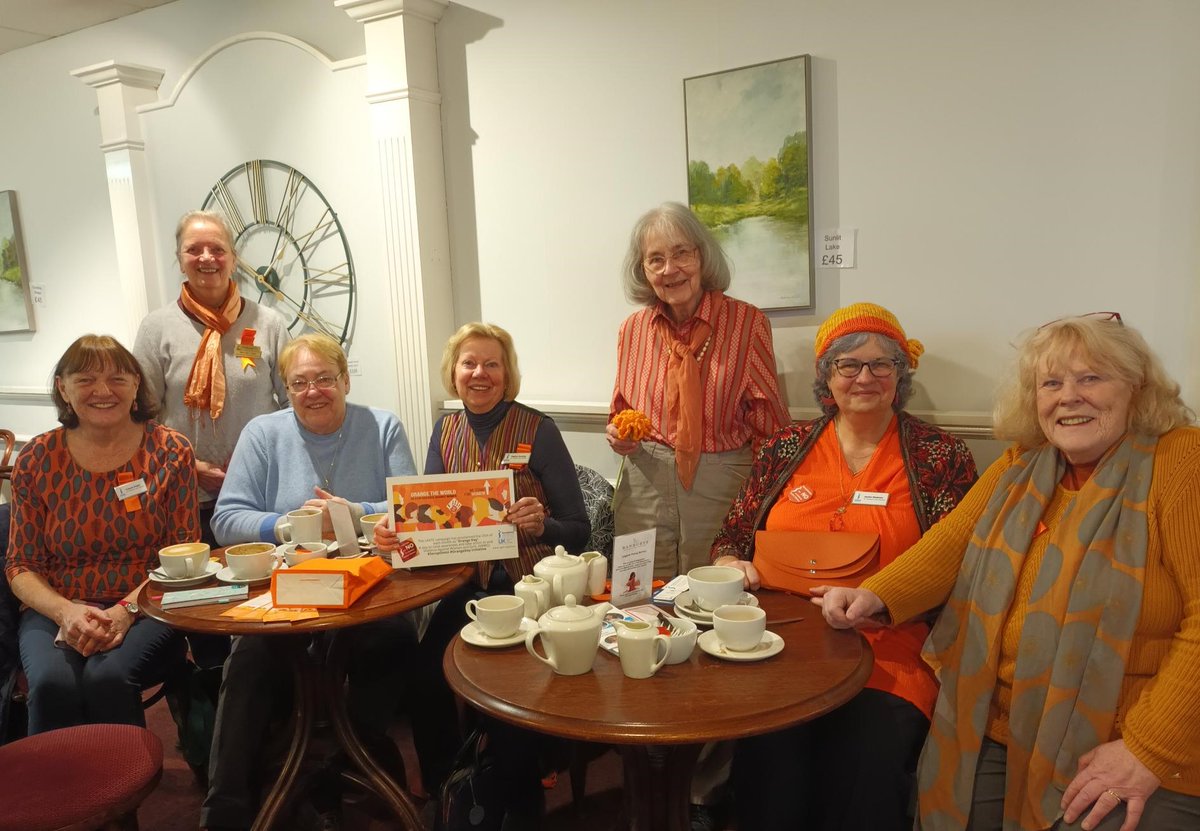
x: 1069, y: 648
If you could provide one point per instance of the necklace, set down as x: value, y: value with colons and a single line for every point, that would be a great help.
x: 332, y: 462
x: 838, y: 521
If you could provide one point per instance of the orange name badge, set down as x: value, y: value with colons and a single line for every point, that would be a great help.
x: 127, y: 490
x: 519, y: 458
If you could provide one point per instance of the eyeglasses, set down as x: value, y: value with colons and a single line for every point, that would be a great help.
x: 1098, y: 315
x: 321, y: 382
x: 880, y: 368
x: 681, y: 257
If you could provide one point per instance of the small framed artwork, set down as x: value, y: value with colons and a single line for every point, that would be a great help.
x: 16, y: 306
x: 749, y: 170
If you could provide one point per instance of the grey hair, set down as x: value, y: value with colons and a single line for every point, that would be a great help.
x: 672, y: 217
x: 848, y: 343
x: 215, y: 217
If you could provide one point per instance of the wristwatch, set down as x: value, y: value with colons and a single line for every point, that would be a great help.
x: 135, y: 611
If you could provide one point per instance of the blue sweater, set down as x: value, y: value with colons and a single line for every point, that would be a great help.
x: 277, y: 463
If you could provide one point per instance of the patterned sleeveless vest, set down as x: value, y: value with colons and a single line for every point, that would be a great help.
x: 461, y: 453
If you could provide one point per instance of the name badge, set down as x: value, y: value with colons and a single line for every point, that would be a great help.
x: 869, y: 498
x: 138, y: 486
x: 515, y: 459
x: 250, y: 351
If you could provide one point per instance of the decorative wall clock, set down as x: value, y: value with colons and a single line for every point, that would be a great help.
x: 292, y: 251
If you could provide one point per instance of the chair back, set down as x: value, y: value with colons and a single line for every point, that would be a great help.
x: 10, y: 443
x: 597, y: 500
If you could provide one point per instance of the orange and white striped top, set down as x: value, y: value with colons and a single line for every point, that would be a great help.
x: 741, y: 397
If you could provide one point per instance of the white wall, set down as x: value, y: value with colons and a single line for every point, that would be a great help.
x: 1005, y: 164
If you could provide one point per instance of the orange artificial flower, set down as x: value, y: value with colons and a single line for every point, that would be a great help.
x: 632, y: 425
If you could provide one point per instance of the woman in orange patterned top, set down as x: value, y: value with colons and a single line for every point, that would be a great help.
x: 93, y: 502
x: 701, y: 367
x: 1069, y: 647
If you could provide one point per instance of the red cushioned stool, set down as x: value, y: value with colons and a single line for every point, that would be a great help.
x: 79, y: 778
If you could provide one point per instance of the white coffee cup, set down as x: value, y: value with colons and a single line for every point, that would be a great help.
x: 641, y: 648
x: 367, y: 523
x: 250, y: 560
x: 739, y: 628
x: 302, y: 525
x: 597, y: 565
x: 498, y: 616
x: 187, y: 559
x: 535, y: 592
x: 295, y: 553
x: 713, y: 586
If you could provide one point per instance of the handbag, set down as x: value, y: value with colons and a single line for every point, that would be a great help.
x: 798, y: 561
x: 472, y: 798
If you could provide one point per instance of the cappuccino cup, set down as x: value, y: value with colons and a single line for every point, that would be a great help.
x: 187, y: 559
x: 498, y: 616
x: 713, y: 586
x: 250, y: 560
x: 740, y: 628
x: 367, y: 523
x: 302, y: 525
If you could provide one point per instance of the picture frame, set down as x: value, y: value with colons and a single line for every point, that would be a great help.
x: 749, y: 173
x: 16, y: 304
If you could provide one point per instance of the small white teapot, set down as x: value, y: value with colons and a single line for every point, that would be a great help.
x: 566, y: 574
x: 570, y: 635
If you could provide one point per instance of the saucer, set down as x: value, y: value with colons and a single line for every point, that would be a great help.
x: 692, y: 611
x: 472, y: 634
x: 183, y: 582
x: 771, y: 644
x: 225, y: 575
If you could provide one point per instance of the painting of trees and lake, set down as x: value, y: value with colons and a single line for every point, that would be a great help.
x: 748, y: 176
x: 16, y: 310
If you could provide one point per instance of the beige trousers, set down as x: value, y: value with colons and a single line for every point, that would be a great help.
x: 686, y: 521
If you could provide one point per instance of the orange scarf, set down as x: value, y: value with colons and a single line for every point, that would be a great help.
x: 684, y: 406
x: 206, y: 382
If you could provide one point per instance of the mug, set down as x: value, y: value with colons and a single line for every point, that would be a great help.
x: 250, y: 560
x: 187, y: 559
x: 295, y: 553
x: 713, y: 586
x: 740, y: 628
x: 597, y: 573
x: 302, y: 525
x: 638, y: 645
x: 497, y: 616
x: 535, y: 592
x: 367, y: 522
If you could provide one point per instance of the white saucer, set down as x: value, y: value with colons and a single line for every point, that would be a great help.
x: 472, y: 634
x: 771, y: 644
x: 692, y: 611
x: 225, y: 575
x: 161, y: 579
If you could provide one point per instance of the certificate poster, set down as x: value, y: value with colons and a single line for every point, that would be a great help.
x: 452, y: 518
x: 633, y: 567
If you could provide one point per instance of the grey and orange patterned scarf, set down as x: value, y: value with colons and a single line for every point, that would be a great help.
x: 1074, y: 643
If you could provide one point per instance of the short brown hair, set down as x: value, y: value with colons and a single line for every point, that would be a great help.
x: 512, y: 373
x: 1110, y: 346
x: 91, y: 353
x: 321, y: 345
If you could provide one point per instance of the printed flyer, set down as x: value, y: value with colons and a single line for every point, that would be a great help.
x: 452, y: 518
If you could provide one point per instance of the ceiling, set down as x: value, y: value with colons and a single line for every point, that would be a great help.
x: 25, y: 22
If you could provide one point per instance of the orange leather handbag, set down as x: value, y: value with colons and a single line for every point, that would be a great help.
x: 797, y: 561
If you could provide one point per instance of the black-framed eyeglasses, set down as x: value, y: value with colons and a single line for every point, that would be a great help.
x: 682, y: 257
x: 1115, y: 316
x: 322, y: 382
x: 880, y: 367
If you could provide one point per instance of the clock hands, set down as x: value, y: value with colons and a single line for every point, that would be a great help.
x: 310, y: 316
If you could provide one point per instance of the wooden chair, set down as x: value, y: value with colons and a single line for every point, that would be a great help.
x: 10, y: 443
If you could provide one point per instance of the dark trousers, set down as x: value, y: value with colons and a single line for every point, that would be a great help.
x: 850, y: 769
x: 66, y: 688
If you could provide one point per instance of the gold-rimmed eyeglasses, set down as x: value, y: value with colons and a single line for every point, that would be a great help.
x: 682, y: 257
x: 322, y: 382
x: 880, y: 367
x: 1114, y: 316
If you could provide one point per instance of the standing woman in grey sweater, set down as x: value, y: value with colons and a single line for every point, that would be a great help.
x: 187, y: 352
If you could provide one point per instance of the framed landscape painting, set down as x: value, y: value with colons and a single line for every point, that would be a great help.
x: 16, y: 309
x: 749, y: 169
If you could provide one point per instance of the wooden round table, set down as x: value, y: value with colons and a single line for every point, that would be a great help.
x: 662, y: 722
x: 318, y: 683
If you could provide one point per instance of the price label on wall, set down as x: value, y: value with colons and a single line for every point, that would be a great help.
x: 835, y: 248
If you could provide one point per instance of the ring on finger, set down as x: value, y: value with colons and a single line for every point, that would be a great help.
x: 1115, y: 795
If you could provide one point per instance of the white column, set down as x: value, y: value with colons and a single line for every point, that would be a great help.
x: 405, y: 106
x: 120, y: 89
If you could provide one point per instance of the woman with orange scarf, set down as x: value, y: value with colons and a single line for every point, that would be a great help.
x: 209, y: 359
x: 701, y: 367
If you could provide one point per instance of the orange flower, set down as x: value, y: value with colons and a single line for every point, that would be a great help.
x: 632, y: 425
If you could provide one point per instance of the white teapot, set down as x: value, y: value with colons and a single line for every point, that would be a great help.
x: 570, y: 635
x: 566, y: 574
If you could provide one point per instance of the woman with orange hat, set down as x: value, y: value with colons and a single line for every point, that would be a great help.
x: 865, y: 475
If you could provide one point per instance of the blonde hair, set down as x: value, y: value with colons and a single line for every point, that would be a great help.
x: 320, y: 345
x: 512, y: 373
x: 1108, y: 346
